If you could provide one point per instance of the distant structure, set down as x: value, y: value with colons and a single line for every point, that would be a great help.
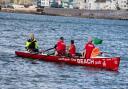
x: 79, y: 4
x: 17, y: 1
x: 76, y: 4
x: 122, y: 4
x: 43, y: 3
x: 67, y: 4
x: 101, y: 4
x: 21, y: 1
x: 4, y: 1
x: 56, y: 3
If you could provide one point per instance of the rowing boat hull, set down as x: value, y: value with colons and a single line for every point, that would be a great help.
x: 110, y: 63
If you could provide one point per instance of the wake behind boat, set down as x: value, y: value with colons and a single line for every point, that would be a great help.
x: 110, y: 63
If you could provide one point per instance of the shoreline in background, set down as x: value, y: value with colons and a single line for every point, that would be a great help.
x: 98, y: 14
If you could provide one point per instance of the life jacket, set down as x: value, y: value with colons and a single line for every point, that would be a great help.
x: 31, y: 44
x: 61, y: 47
x: 72, y: 50
x: 95, y: 52
x: 27, y: 43
x: 89, y: 47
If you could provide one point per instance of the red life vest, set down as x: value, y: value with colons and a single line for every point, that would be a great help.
x: 72, y: 50
x: 61, y: 47
x: 89, y: 47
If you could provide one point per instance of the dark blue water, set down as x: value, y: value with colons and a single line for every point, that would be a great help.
x: 17, y: 73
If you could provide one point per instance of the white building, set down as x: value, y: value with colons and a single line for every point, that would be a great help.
x: 90, y: 5
x: 113, y: 5
x: 59, y: 2
x: 43, y: 3
x: 105, y: 4
x: 101, y: 4
x: 123, y: 4
x: 80, y: 4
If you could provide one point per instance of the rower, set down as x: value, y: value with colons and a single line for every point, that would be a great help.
x: 60, y: 47
x: 31, y: 44
x: 89, y: 46
x: 72, y: 49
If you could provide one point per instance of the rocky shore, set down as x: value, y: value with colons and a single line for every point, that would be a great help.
x: 99, y: 14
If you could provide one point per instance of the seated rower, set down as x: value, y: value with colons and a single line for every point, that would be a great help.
x: 89, y: 46
x: 72, y: 49
x: 31, y: 44
x: 60, y: 47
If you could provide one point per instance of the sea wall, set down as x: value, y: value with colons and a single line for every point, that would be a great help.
x: 99, y: 14
x: 102, y: 14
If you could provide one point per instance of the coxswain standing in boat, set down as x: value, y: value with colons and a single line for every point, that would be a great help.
x: 72, y: 49
x: 89, y: 46
x: 60, y: 47
x: 31, y: 44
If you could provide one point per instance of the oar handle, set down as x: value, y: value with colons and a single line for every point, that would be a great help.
x: 47, y: 49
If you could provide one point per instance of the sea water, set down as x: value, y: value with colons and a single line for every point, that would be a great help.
x: 21, y: 73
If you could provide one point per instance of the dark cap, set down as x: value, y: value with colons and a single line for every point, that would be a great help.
x: 72, y: 41
x: 62, y: 38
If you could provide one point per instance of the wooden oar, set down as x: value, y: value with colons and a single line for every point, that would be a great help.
x: 108, y: 54
x: 47, y: 50
x: 35, y: 61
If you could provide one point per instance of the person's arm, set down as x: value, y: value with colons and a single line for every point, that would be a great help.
x: 36, y: 45
x: 55, y: 46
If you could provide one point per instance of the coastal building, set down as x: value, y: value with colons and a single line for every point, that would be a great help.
x: 21, y: 1
x: 122, y: 4
x: 79, y: 4
x: 67, y: 3
x: 102, y: 4
x: 90, y: 5
x: 113, y: 5
x: 105, y: 4
x: 17, y: 1
x: 4, y: 1
x: 43, y: 3
x: 99, y: 5
x: 59, y: 2
x: 55, y: 3
x: 51, y: 2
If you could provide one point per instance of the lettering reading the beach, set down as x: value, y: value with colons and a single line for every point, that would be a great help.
x: 79, y: 61
x: 85, y: 61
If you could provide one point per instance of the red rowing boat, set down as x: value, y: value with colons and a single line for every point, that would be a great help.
x: 110, y: 63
